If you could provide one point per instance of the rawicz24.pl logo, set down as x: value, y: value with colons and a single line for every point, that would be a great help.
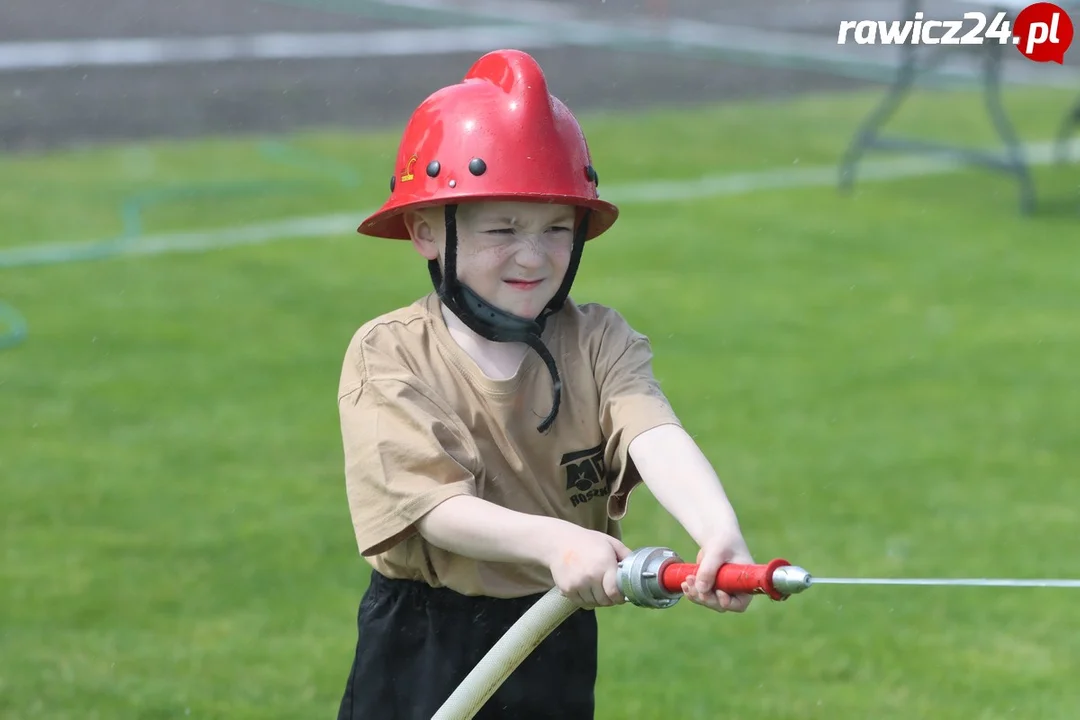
x: 1042, y: 32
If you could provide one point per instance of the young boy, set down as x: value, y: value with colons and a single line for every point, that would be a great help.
x: 494, y: 429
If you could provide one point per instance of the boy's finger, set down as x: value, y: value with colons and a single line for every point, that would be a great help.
x: 621, y: 551
x: 578, y: 599
x: 707, y: 571
x: 600, y: 596
x: 611, y: 587
x: 738, y: 603
x: 690, y: 591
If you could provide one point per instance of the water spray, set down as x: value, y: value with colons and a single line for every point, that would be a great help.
x: 652, y: 577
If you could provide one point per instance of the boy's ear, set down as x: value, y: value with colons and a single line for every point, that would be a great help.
x: 422, y: 234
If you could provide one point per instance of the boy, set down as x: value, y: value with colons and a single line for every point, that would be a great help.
x: 494, y: 429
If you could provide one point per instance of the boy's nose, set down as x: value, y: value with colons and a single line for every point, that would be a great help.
x: 530, y: 253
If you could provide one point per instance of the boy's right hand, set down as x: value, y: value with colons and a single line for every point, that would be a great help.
x: 584, y: 564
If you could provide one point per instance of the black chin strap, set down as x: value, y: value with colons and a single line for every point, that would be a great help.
x: 495, y: 324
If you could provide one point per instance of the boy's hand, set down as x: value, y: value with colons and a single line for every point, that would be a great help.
x: 584, y: 564
x: 700, y: 589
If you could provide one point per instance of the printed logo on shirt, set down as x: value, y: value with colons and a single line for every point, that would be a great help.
x: 585, y: 473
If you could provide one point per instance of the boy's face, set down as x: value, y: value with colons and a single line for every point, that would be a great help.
x: 512, y: 254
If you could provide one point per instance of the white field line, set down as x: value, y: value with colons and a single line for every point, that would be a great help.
x: 531, y: 11
x: 687, y: 33
x: 42, y: 55
x: 553, y: 26
x: 344, y: 224
x: 121, y: 52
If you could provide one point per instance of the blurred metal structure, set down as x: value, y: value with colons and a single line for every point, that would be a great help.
x: 1011, y: 161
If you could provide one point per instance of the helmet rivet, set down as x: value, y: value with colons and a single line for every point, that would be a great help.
x: 393, y: 182
x: 591, y: 176
x: 477, y: 166
x: 433, y: 168
x: 452, y: 183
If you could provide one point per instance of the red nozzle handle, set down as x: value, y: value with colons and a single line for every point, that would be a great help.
x: 733, y: 578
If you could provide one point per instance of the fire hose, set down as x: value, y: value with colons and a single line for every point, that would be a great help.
x: 652, y: 577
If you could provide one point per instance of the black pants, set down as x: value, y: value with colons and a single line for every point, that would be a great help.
x: 416, y: 644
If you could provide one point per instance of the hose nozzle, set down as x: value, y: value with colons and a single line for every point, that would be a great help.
x: 653, y: 577
x: 791, y: 580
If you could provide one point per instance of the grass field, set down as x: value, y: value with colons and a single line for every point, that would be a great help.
x: 887, y: 383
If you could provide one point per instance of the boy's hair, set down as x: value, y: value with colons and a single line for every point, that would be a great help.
x: 497, y: 135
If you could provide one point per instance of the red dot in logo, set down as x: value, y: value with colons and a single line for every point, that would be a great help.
x: 1043, y: 32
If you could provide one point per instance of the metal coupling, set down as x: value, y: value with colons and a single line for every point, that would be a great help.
x: 639, y: 577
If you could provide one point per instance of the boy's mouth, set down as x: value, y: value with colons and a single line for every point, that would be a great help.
x: 523, y: 284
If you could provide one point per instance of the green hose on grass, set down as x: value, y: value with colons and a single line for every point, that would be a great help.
x: 14, y: 328
x: 12, y: 325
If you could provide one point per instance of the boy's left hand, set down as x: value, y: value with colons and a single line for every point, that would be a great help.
x: 701, y: 590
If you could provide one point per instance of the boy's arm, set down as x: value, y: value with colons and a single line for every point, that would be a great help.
x: 582, y: 562
x: 684, y: 482
x: 666, y: 458
x: 478, y: 529
x: 681, y: 478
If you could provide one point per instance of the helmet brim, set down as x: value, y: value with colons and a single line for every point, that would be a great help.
x: 389, y: 221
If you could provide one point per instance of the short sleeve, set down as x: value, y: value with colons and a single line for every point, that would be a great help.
x: 631, y: 402
x: 404, y: 455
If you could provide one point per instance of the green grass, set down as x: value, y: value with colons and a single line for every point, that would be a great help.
x: 886, y: 382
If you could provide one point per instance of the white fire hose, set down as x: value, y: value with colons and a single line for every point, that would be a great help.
x: 505, y: 655
x: 650, y: 577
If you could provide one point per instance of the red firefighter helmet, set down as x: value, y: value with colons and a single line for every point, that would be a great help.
x: 497, y: 135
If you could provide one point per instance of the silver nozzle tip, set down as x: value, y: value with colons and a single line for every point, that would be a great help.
x: 791, y: 579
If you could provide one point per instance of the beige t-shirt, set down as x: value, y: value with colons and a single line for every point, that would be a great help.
x: 421, y: 423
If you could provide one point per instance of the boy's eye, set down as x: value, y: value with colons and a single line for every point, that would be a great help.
x: 511, y: 231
